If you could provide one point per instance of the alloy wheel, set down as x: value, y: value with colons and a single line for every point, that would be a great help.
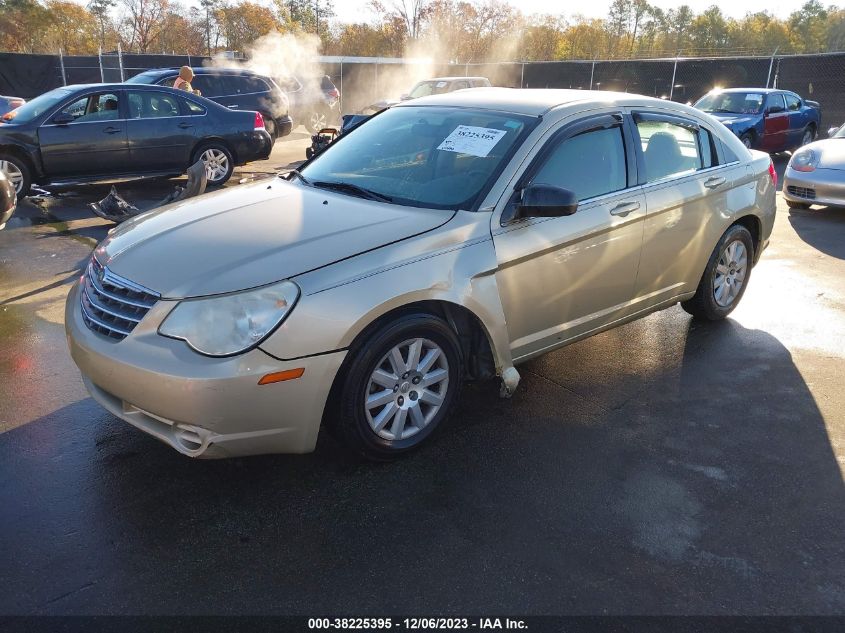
x: 808, y: 137
x: 406, y: 389
x: 216, y: 164
x: 13, y: 174
x: 730, y: 273
x: 318, y: 121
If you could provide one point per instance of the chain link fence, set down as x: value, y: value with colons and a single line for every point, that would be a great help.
x: 364, y: 81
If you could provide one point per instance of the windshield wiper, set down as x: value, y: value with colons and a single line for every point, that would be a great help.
x: 298, y: 174
x: 355, y: 190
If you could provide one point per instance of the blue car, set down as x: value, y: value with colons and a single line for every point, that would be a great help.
x: 763, y: 118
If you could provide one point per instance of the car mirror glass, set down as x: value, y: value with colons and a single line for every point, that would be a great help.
x: 63, y: 118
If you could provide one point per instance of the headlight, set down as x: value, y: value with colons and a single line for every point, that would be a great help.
x: 229, y: 324
x: 804, y: 160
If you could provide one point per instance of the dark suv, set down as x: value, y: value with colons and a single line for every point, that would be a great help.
x: 236, y: 89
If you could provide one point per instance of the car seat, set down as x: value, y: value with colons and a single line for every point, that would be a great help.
x: 663, y: 156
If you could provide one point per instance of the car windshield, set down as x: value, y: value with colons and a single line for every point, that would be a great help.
x: 38, y: 106
x: 732, y: 102
x: 425, y: 88
x: 149, y: 77
x: 435, y: 156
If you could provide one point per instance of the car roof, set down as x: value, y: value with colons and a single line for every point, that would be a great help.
x: 455, y: 78
x: 764, y: 91
x: 118, y: 86
x: 200, y: 70
x: 530, y: 101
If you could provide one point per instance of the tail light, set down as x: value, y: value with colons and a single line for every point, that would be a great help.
x: 773, y: 174
x: 259, y: 121
x: 333, y: 93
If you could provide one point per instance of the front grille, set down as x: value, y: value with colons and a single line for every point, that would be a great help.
x: 111, y: 305
x: 802, y: 192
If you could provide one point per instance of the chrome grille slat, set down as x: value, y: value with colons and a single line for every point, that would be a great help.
x: 112, y: 306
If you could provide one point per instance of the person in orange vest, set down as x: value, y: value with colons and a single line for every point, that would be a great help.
x: 183, y: 81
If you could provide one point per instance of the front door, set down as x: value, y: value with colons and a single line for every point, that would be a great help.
x: 90, y: 141
x: 159, y: 130
x: 775, y: 124
x: 563, y: 277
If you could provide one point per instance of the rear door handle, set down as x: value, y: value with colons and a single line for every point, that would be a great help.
x: 715, y: 181
x: 624, y: 208
x: 112, y: 130
x: 185, y: 126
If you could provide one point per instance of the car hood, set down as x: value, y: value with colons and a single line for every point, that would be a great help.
x: 253, y: 235
x: 730, y: 119
x: 831, y: 153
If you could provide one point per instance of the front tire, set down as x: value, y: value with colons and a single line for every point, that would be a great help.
x: 747, y: 140
x: 398, y: 386
x: 809, y: 136
x: 725, y: 278
x: 218, y: 160
x: 16, y: 172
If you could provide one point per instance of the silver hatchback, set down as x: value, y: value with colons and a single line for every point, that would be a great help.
x: 447, y: 238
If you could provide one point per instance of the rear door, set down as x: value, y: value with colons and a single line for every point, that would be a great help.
x: 160, y: 131
x: 93, y: 143
x: 690, y: 191
x: 563, y: 277
x: 775, y: 124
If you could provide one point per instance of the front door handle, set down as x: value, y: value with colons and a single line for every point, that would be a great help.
x: 185, y: 126
x: 624, y: 208
x: 112, y: 130
x: 715, y: 181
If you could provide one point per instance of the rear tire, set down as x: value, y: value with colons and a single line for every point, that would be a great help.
x: 17, y: 172
x: 725, y: 278
x: 219, y: 162
x: 397, y: 387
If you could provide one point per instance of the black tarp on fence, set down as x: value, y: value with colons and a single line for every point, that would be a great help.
x: 363, y: 82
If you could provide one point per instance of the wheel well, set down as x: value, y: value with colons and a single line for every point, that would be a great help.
x: 752, y: 223
x: 212, y: 141
x: 20, y: 154
x: 472, y: 336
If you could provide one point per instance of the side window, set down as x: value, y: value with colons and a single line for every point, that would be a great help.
x: 669, y: 149
x: 194, y: 108
x: 152, y: 105
x: 98, y: 107
x: 590, y: 164
x: 208, y: 85
x: 793, y: 103
x: 775, y: 101
x: 168, y: 81
x: 460, y: 85
x: 255, y: 84
x: 707, y: 148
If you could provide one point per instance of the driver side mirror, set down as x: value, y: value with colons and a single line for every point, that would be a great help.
x: 546, y: 201
x: 775, y: 109
x: 63, y: 118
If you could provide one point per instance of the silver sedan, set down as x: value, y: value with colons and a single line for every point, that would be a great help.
x: 816, y: 173
x: 448, y: 238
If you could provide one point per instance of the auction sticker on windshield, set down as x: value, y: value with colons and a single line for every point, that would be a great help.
x: 468, y: 139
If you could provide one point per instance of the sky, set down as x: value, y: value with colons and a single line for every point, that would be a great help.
x: 357, y: 10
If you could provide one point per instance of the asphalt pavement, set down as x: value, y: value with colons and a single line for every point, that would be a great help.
x: 665, y: 467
